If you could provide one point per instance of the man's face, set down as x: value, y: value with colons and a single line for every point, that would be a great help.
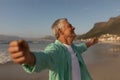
x: 68, y: 30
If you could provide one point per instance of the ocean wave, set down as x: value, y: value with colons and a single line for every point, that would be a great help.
x: 4, y: 57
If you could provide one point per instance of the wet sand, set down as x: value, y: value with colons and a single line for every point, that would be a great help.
x: 105, y: 71
x: 102, y: 61
x: 105, y: 63
x: 11, y: 71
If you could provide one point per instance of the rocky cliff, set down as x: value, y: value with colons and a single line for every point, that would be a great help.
x: 112, y: 26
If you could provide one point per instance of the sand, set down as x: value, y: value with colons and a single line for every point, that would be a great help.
x: 103, y: 69
x: 11, y: 71
x: 106, y: 66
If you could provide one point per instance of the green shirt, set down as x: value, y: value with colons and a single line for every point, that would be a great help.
x: 57, y: 59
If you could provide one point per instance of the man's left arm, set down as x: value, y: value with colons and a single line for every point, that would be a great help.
x: 82, y: 47
x: 92, y: 42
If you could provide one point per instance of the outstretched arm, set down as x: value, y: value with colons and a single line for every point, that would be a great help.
x: 20, y: 53
x: 92, y: 42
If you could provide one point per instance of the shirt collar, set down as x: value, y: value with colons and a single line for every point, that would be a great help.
x: 62, y: 44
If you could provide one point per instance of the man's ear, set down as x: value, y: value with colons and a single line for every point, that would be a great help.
x: 60, y: 32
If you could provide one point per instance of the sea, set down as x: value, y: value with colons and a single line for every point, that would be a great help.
x: 34, y: 46
x: 100, y: 52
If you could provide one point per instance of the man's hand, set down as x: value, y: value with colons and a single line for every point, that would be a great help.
x: 92, y: 42
x: 20, y: 53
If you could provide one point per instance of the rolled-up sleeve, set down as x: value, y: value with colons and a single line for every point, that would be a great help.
x: 40, y: 64
x: 82, y: 47
x: 43, y: 60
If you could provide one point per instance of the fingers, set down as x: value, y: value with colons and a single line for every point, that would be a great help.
x: 14, y: 43
x: 14, y: 46
x: 23, y: 45
x: 95, y: 40
x: 20, y: 60
x: 18, y: 50
x: 13, y: 49
x: 20, y: 53
x: 17, y: 43
x: 17, y: 55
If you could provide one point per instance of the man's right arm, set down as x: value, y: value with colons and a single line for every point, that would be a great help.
x: 32, y: 61
x: 20, y: 52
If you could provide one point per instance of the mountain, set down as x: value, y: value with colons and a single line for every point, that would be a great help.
x: 112, y: 26
x: 6, y: 38
x: 48, y: 37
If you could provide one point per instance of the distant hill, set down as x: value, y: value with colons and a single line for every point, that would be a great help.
x: 112, y: 26
x: 48, y: 37
x: 6, y: 37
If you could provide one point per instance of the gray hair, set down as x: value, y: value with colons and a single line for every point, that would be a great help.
x: 57, y: 25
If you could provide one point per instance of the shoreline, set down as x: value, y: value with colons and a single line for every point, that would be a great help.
x: 102, y: 63
x: 99, y: 71
x: 110, y: 42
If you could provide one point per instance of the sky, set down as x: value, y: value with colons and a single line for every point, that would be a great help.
x: 33, y: 18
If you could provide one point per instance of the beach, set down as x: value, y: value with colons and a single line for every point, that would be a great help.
x: 105, y: 62
x: 11, y: 71
x: 105, y: 71
x: 102, y: 60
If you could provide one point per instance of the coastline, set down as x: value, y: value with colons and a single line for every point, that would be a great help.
x: 110, y: 42
x: 102, y: 71
x: 101, y: 60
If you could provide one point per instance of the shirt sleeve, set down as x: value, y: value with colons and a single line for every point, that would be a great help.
x: 82, y: 47
x: 44, y: 60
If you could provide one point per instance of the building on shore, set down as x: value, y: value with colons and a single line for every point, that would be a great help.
x: 109, y: 37
x: 106, y: 37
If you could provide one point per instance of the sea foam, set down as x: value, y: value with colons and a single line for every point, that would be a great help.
x: 4, y: 57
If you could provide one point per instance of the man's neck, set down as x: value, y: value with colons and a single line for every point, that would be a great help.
x: 67, y: 41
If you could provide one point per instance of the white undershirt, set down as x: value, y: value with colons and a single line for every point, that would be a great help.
x: 75, y: 64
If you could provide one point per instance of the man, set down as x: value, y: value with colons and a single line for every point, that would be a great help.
x: 62, y: 58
